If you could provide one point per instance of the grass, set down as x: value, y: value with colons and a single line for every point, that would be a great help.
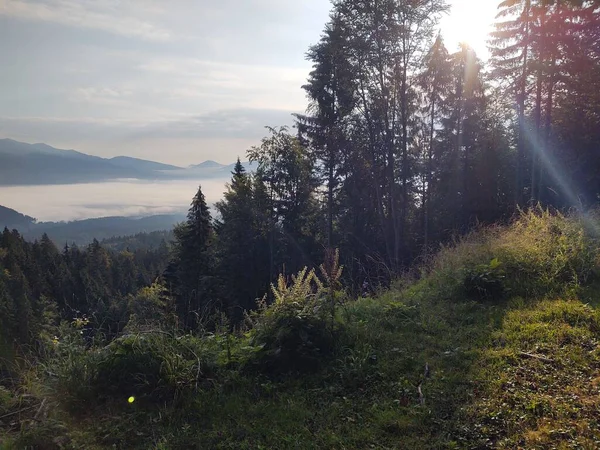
x: 540, y: 378
x: 499, y: 333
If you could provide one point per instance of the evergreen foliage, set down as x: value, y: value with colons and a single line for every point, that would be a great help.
x: 192, y: 271
x: 242, y: 247
x: 39, y: 286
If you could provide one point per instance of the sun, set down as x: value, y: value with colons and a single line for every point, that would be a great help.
x: 470, y: 22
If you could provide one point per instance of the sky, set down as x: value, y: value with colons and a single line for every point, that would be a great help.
x: 179, y: 82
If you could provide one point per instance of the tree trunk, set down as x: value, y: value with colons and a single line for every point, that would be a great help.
x: 521, y: 110
x: 538, y: 147
x: 427, y: 193
x: 330, y: 202
x: 401, y: 232
x: 549, y: 106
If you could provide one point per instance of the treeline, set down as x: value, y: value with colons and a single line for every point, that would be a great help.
x: 412, y: 142
x: 405, y: 144
x: 41, y: 285
x: 143, y: 241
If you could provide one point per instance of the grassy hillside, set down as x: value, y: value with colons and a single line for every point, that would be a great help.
x: 493, y: 344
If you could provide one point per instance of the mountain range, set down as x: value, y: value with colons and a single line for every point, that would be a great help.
x: 82, y: 232
x: 38, y: 164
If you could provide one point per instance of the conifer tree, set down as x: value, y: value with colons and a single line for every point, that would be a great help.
x: 287, y: 171
x: 195, y: 286
x: 239, y: 238
x: 330, y: 90
x: 435, y: 83
x: 511, y: 61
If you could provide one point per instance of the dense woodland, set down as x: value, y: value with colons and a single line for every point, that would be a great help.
x: 242, y: 327
x: 40, y: 285
x: 405, y: 143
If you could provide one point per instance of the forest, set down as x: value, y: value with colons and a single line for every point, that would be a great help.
x: 405, y: 148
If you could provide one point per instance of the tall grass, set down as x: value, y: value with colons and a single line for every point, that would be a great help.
x: 540, y: 253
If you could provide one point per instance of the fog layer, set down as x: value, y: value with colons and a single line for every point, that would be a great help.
x: 115, y: 198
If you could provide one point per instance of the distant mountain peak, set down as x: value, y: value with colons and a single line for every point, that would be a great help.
x: 209, y: 164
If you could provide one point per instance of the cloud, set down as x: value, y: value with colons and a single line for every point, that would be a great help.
x: 107, y: 15
x: 101, y: 95
x: 241, y: 123
x: 238, y: 85
x: 135, y: 77
x: 115, y: 198
x: 236, y: 123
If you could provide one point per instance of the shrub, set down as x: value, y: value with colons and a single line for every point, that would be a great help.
x: 547, y: 253
x: 72, y: 367
x: 151, y: 309
x: 541, y: 253
x: 294, y: 333
x: 6, y: 400
x: 155, y: 365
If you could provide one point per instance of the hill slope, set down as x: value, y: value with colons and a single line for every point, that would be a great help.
x: 11, y: 218
x: 137, y: 163
x: 495, y: 345
x: 82, y: 232
x: 26, y: 164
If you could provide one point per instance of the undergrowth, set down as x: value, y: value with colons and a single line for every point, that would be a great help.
x: 491, y: 347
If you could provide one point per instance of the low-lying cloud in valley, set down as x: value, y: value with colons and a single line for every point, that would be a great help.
x: 115, y: 198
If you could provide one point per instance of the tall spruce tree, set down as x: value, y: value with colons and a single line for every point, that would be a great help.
x: 330, y: 90
x: 287, y: 171
x: 194, y: 265
x: 242, y: 244
x: 435, y: 84
x: 511, y: 61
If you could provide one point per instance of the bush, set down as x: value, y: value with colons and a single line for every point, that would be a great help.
x: 151, y: 309
x: 6, y: 401
x: 547, y: 253
x: 71, y: 366
x: 154, y: 365
x: 295, y: 332
x: 541, y: 253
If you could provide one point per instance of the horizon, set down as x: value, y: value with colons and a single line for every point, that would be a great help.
x: 227, y: 163
x: 141, y: 80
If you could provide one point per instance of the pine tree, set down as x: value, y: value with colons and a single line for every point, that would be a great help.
x: 195, y: 286
x: 288, y: 174
x: 330, y: 89
x: 511, y: 60
x: 435, y: 83
x: 461, y: 143
x: 239, y: 238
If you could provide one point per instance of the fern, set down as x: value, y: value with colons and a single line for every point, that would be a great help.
x: 304, y: 288
x: 331, y: 269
